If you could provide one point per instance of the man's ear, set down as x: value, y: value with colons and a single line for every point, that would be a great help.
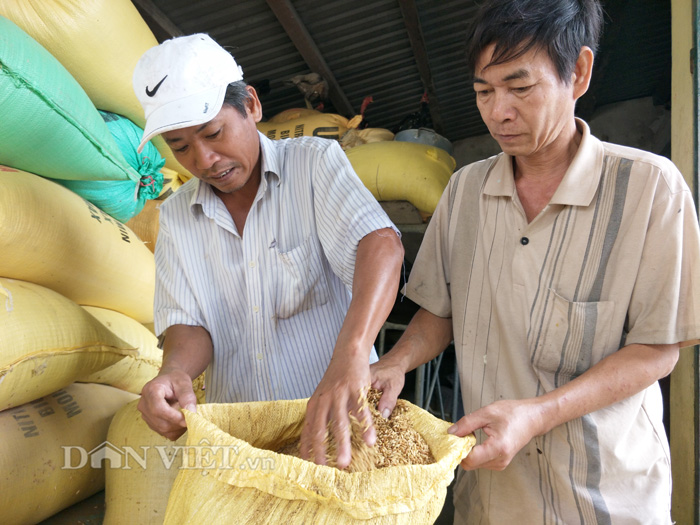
x: 253, y: 104
x: 581, y: 77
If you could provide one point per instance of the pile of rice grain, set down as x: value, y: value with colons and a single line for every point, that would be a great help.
x: 397, y: 442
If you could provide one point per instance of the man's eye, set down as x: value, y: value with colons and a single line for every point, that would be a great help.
x: 214, y: 135
x: 180, y: 150
x: 523, y: 89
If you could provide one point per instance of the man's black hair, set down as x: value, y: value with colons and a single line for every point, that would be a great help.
x: 237, y: 95
x: 559, y: 27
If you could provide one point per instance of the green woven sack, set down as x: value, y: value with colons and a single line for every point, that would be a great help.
x: 49, y: 126
x: 124, y: 199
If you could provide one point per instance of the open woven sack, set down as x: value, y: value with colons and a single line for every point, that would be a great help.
x: 231, y: 473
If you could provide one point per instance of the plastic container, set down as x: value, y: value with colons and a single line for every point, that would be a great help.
x: 424, y: 136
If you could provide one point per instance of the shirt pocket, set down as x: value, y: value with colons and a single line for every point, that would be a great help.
x: 300, y: 279
x: 572, y: 335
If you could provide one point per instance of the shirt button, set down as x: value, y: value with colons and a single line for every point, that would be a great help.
x: 251, y: 264
x: 256, y: 309
x: 524, y: 241
x: 260, y: 357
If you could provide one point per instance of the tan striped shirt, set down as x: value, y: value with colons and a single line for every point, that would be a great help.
x: 613, y: 259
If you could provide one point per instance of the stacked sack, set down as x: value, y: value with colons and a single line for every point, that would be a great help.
x: 96, y: 44
x: 403, y: 171
x: 76, y: 282
x: 391, y: 170
x: 99, y: 43
x: 65, y: 370
x: 51, y: 128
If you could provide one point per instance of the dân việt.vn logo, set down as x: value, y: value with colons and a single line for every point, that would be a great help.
x: 204, y: 456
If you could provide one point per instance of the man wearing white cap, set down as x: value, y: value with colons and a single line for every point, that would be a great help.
x: 276, y: 267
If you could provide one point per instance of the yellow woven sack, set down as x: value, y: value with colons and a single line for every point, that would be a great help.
x: 403, y: 171
x: 172, y: 181
x: 52, y: 237
x: 134, y: 371
x: 38, y: 476
x: 139, y: 494
x: 357, y: 137
x: 232, y: 475
x: 309, y: 123
x: 48, y: 342
x: 99, y: 43
x: 294, y: 113
x: 147, y: 224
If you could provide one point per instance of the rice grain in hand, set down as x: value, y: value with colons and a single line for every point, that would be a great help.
x: 397, y: 442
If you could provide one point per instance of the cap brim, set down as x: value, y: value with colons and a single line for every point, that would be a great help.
x: 183, y: 113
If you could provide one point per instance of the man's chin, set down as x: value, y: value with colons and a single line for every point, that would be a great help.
x: 509, y: 149
x: 506, y: 145
x: 514, y: 150
x: 225, y: 188
x: 229, y: 186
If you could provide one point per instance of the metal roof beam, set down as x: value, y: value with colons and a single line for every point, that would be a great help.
x: 409, y: 11
x: 163, y: 28
x: 301, y: 38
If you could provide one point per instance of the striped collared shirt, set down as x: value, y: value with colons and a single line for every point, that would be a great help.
x: 273, y: 299
x: 613, y: 259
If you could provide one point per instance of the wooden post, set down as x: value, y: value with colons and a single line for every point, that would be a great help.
x: 684, y: 151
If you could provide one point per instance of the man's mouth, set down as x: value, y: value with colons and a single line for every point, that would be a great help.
x: 505, y: 136
x: 222, y: 174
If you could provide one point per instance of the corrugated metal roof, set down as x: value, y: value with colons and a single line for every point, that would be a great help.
x: 366, y: 46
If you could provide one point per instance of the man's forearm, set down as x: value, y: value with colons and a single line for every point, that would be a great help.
x: 375, y: 284
x: 426, y: 336
x: 510, y: 424
x: 619, y: 376
x: 187, y: 348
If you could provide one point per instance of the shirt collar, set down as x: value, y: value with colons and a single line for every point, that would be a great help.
x: 580, y: 182
x: 270, y: 164
x: 204, y: 198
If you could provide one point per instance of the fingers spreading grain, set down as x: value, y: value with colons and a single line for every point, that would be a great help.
x: 397, y: 442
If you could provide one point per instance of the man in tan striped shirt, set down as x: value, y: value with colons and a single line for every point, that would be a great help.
x: 566, y: 271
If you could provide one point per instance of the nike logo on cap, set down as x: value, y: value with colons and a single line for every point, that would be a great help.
x: 152, y: 92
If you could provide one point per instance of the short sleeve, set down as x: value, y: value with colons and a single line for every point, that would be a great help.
x: 665, y: 303
x: 346, y: 211
x: 174, y: 301
x: 429, y: 282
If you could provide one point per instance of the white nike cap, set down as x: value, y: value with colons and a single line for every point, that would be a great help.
x: 182, y: 82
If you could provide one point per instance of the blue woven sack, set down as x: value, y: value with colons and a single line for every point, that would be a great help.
x: 124, y: 199
x: 48, y: 124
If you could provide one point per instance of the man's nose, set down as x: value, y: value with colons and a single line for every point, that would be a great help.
x: 502, y: 108
x: 204, y: 157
